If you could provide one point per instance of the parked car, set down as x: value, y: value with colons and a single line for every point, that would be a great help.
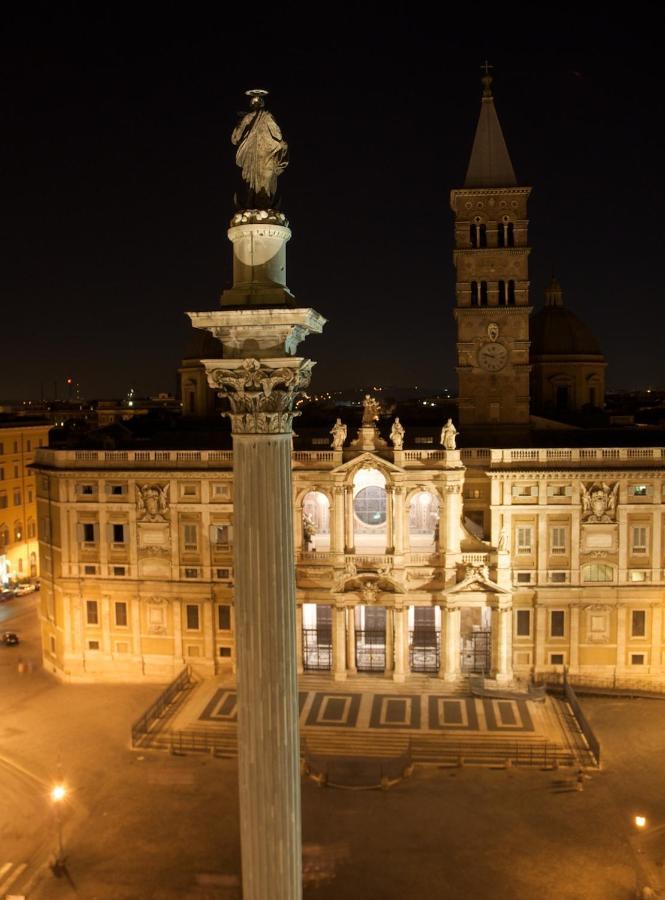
x: 7, y: 594
x: 10, y: 638
x: 25, y: 588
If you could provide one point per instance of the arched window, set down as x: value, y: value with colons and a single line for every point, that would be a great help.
x: 423, y: 520
x: 502, y: 293
x: 478, y: 234
x: 506, y: 234
x: 483, y: 293
x: 474, y: 293
x: 370, y: 508
x: 18, y: 531
x: 597, y: 572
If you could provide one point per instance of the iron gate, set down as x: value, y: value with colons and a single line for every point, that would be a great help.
x: 424, y: 650
x: 477, y: 652
x: 317, y: 649
x: 371, y: 649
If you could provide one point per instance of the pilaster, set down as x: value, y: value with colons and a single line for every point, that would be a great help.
x: 339, y: 643
x: 401, y: 638
x: 350, y: 639
x: 299, y: 638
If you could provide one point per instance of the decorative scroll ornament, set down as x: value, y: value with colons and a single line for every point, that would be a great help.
x: 261, y: 396
x: 152, y: 502
x: 599, y: 502
x: 492, y: 331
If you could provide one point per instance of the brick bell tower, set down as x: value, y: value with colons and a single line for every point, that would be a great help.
x: 491, y: 259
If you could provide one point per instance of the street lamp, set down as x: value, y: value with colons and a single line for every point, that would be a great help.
x: 58, y: 794
x: 640, y: 822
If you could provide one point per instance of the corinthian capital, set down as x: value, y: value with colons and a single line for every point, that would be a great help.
x: 261, y: 392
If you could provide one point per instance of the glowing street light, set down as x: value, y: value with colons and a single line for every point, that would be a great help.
x: 640, y: 821
x: 58, y: 794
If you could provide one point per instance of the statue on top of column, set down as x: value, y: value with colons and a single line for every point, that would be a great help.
x: 397, y: 434
x: 371, y: 409
x: 262, y: 154
x: 338, y: 432
x: 449, y: 436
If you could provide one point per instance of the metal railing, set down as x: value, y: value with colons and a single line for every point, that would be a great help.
x: 144, y: 724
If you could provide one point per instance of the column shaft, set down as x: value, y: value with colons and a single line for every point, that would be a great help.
x: 268, y: 737
x: 350, y: 639
x: 401, y: 644
x: 339, y: 644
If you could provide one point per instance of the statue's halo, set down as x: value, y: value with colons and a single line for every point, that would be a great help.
x: 256, y: 92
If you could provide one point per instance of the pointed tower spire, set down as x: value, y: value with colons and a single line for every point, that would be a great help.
x: 490, y: 164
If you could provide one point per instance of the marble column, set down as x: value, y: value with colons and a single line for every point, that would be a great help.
x: 351, y: 639
x: 349, y: 537
x: 504, y: 663
x: 339, y: 643
x: 390, y: 528
x: 398, y: 519
x: 452, y: 665
x: 299, y: 637
x: 261, y: 391
x: 401, y: 636
x: 337, y: 524
x: 390, y: 658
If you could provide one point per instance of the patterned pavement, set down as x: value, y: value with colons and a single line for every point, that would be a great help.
x: 431, y: 712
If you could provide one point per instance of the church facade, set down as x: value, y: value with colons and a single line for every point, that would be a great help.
x: 410, y: 563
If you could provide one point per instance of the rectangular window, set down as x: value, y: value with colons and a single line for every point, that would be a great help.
x: 525, y: 490
x: 52, y: 643
x: 190, y: 537
x: 639, y: 544
x: 15, y: 446
x: 638, y: 623
x: 524, y: 540
x: 524, y: 577
x: 121, y: 614
x: 15, y: 471
x: 2, y: 474
x: 523, y: 622
x: 118, y: 533
x: 637, y: 659
x: 17, y: 498
x: 30, y: 496
x: 558, y: 539
x: 192, y: 617
x: 3, y: 501
x: 2, y: 447
x: 558, y: 577
x: 639, y: 490
x: 86, y: 489
x: 556, y: 659
x: 223, y: 490
x: 89, y: 570
x: 223, y: 574
x: 191, y: 573
x: 224, y: 618
x: 118, y: 571
x: 91, y: 612
x: 225, y: 651
x: 637, y: 575
x: 88, y: 532
x: 220, y: 535
x: 557, y: 622
x: 189, y: 490
x: 116, y: 489
x: 558, y: 490
x: 93, y: 645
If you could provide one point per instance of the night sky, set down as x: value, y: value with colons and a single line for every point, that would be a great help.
x: 118, y: 178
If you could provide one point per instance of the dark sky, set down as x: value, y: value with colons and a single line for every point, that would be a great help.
x: 118, y: 177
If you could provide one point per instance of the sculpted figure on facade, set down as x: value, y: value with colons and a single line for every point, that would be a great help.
x: 371, y: 409
x: 397, y: 435
x: 152, y: 502
x: 309, y: 529
x: 338, y: 432
x: 262, y: 153
x: 449, y: 436
x: 599, y: 502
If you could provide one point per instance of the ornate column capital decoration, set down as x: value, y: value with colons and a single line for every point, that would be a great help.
x: 261, y: 392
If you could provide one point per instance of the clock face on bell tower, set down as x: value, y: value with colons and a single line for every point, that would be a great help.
x: 491, y: 258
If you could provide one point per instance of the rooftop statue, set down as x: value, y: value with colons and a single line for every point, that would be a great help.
x: 338, y: 432
x: 371, y: 410
x: 397, y: 435
x: 262, y: 154
x: 449, y: 435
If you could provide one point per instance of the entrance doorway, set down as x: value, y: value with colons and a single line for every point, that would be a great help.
x: 316, y: 637
x: 476, y: 640
x: 424, y: 639
x: 370, y: 623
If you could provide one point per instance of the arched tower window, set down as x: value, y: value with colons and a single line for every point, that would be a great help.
x: 511, y: 293
x: 502, y: 293
x: 478, y: 234
x: 474, y: 293
x: 506, y: 234
x: 483, y: 293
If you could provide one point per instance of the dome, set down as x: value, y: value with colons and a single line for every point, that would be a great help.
x: 556, y: 331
